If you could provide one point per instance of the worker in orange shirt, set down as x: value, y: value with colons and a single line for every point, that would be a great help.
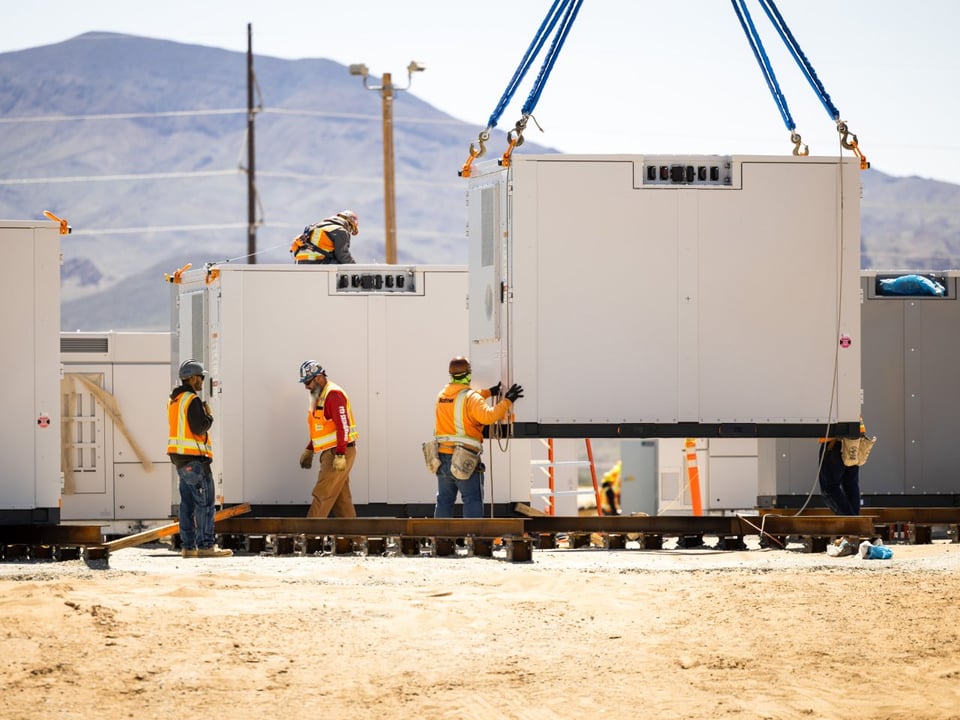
x: 461, y: 413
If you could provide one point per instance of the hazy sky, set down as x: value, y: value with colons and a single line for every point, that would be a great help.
x: 635, y: 76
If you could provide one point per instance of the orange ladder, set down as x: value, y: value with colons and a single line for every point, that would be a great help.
x: 547, y: 466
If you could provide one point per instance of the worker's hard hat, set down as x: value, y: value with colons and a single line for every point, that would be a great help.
x: 191, y: 368
x: 309, y: 369
x: 459, y: 367
x: 351, y: 219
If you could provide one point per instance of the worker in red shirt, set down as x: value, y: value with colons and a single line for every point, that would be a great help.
x: 333, y: 436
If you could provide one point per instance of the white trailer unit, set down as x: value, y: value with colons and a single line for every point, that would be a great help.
x: 669, y: 296
x: 114, y: 397
x: 383, y: 333
x: 30, y: 431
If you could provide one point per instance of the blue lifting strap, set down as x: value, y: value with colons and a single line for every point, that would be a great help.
x: 746, y: 22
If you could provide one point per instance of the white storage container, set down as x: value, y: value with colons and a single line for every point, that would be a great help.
x: 669, y: 296
x: 114, y: 396
x: 30, y: 432
x: 385, y: 334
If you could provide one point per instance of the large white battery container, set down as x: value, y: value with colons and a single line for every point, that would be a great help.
x: 30, y: 358
x: 669, y: 296
x: 385, y: 334
x: 114, y: 397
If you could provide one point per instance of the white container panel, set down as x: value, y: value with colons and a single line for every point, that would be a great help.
x: 30, y: 430
x: 615, y: 317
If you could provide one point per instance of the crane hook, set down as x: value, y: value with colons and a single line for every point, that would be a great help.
x: 475, y: 153
x: 797, y: 143
x: 849, y: 141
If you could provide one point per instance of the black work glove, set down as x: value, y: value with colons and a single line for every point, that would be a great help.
x: 514, y: 392
x: 495, y: 390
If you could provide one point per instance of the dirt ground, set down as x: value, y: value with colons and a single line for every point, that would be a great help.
x: 587, y: 633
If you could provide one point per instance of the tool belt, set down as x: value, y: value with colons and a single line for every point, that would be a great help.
x: 464, y: 462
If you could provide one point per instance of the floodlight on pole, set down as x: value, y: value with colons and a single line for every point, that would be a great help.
x: 387, y: 90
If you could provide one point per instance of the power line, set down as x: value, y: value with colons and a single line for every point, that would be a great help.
x: 116, y: 178
x: 279, y: 174
x: 27, y: 119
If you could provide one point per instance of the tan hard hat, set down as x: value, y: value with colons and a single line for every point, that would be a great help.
x: 459, y: 366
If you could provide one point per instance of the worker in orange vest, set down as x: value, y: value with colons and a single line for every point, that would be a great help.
x: 327, y: 242
x: 333, y: 436
x: 188, y: 446
x: 461, y: 413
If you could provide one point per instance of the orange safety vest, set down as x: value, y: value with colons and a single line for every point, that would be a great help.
x: 314, y: 246
x: 323, y: 432
x: 461, y: 414
x: 182, y: 440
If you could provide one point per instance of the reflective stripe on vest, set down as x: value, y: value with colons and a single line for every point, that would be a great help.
x: 182, y: 440
x: 323, y: 432
x: 459, y: 426
x: 318, y: 247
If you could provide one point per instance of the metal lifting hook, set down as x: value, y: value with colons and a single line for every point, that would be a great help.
x: 797, y: 143
x: 475, y: 153
x: 482, y: 140
x: 849, y: 141
x: 514, y: 140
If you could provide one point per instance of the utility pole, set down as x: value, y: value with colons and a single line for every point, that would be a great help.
x: 387, y: 92
x: 251, y: 157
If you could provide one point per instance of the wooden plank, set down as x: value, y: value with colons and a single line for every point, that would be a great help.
x: 529, y: 511
x: 167, y: 530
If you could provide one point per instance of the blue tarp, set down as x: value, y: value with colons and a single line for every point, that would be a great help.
x: 911, y: 285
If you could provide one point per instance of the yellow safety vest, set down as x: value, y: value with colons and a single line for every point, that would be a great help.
x: 182, y: 440
x: 323, y: 432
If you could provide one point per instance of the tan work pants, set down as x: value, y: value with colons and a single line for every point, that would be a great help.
x: 332, y: 491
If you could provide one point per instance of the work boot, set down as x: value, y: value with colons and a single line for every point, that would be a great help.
x: 214, y: 551
x: 188, y: 552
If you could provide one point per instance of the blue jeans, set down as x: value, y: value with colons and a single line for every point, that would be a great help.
x: 839, y: 483
x: 471, y: 490
x: 197, y: 505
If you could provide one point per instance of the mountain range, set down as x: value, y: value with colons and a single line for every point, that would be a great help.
x: 141, y: 145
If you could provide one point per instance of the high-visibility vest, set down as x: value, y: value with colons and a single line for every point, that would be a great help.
x: 182, y: 440
x: 452, y: 424
x: 612, y: 480
x: 323, y: 432
x: 315, y: 246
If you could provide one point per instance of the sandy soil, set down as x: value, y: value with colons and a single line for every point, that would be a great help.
x: 573, y: 634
